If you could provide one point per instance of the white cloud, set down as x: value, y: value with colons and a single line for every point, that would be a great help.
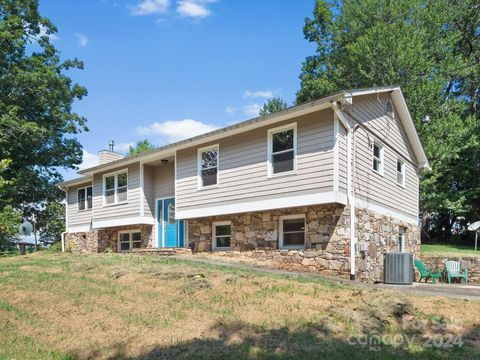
x: 252, y: 110
x: 258, y: 94
x: 82, y: 39
x: 230, y: 110
x: 43, y: 32
x: 175, y: 130
x: 148, y: 7
x: 123, y: 147
x: 89, y: 160
x: 194, y: 8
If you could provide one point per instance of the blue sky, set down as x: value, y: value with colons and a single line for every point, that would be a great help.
x: 169, y: 69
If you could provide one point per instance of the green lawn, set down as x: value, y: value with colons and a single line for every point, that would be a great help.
x: 113, y: 306
x: 449, y: 250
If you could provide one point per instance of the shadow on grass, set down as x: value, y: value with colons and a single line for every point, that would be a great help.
x: 239, y: 340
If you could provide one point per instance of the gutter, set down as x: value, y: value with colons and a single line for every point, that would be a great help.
x: 350, y: 185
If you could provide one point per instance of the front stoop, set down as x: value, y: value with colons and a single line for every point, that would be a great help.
x: 161, y: 251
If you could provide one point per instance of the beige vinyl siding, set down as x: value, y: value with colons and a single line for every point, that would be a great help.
x: 243, y: 166
x: 370, y: 186
x: 164, y: 181
x: 148, y: 184
x: 77, y: 217
x: 342, y: 158
x: 125, y: 210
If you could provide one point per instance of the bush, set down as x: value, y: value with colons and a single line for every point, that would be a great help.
x: 56, y: 247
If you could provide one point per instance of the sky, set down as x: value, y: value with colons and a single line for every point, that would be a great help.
x: 165, y: 70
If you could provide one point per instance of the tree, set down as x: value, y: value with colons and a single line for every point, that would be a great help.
x: 51, y: 222
x: 36, y: 117
x: 10, y: 220
x: 273, y: 105
x: 140, y: 147
x: 431, y: 49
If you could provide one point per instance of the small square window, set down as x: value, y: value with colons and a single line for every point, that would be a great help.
x: 292, y: 231
x: 222, y: 234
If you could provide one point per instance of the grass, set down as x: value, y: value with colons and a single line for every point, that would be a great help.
x: 449, y: 250
x: 132, y: 307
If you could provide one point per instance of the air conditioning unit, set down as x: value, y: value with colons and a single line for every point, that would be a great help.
x: 398, y: 268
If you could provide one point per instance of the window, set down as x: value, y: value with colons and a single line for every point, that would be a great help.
x: 115, y: 188
x: 292, y: 231
x: 84, y: 198
x: 222, y: 234
x: 400, y: 172
x: 208, y: 166
x: 282, y: 150
x: 129, y: 240
x: 378, y: 158
x: 401, y: 239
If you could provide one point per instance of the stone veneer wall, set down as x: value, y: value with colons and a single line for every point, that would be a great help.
x: 327, y: 244
x: 470, y: 263
x: 100, y: 240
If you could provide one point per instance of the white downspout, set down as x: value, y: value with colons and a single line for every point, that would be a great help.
x: 63, y: 241
x: 350, y: 195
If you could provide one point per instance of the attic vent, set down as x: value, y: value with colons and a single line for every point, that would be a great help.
x: 389, y: 108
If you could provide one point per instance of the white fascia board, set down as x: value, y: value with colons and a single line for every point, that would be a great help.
x: 263, y: 204
x: 78, y: 229
x: 134, y: 220
x: 382, y: 210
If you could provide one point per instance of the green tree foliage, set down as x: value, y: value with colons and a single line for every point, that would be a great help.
x: 140, y: 147
x: 431, y: 49
x: 273, y: 105
x: 10, y: 220
x: 37, y: 124
x: 51, y: 222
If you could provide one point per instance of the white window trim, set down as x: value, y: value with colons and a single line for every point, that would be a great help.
x: 270, y: 152
x: 381, y: 158
x: 86, y: 199
x: 280, y: 227
x: 104, y: 186
x: 402, y: 184
x: 129, y: 238
x: 199, y: 166
x: 401, y: 243
x: 214, y: 236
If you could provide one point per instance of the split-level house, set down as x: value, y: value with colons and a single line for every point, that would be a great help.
x: 329, y: 185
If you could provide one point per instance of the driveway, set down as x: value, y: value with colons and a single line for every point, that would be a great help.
x: 456, y: 291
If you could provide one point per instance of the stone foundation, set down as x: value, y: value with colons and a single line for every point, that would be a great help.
x: 104, y: 239
x: 327, y: 243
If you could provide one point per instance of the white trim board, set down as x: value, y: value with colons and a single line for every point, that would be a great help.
x: 134, y: 220
x: 264, y: 204
x: 336, y: 152
x: 78, y: 228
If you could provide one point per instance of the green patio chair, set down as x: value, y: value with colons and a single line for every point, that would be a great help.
x: 427, y: 273
x: 454, y: 271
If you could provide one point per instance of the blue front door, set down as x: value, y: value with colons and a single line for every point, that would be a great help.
x: 170, y: 231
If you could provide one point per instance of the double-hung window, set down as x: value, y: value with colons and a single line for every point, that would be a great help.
x: 400, y: 173
x: 378, y: 158
x: 208, y: 166
x: 292, y: 231
x: 222, y: 234
x: 129, y: 240
x: 282, y: 150
x: 115, y: 188
x: 84, y: 198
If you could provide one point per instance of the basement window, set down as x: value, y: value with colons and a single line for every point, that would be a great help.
x: 292, y: 231
x: 129, y: 240
x: 222, y: 234
x: 378, y: 158
x: 401, y: 239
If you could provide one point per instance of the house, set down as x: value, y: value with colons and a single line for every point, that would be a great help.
x: 329, y: 185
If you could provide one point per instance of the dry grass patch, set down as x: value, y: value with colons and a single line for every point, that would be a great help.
x: 123, y: 307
